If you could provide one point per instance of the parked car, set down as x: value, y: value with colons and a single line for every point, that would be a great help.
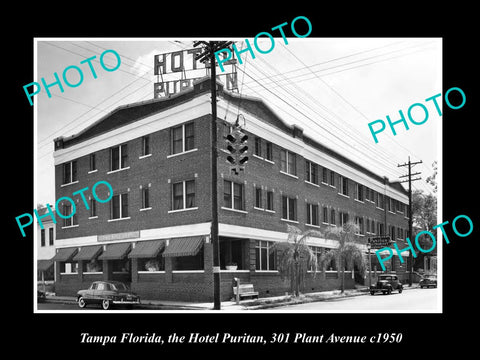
x: 106, y: 294
x: 386, y: 283
x: 428, y: 281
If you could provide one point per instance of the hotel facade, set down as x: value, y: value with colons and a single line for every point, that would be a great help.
x: 154, y: 233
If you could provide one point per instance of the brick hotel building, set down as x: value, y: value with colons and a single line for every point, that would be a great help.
x: 154, y: 233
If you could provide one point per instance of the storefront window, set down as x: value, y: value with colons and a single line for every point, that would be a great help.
x: 121, y: 266
x: 151, y: 264
x: 188, y: 262
x: 68, y: 267
x: 92, y: 266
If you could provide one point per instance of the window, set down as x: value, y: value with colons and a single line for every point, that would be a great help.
x: 380, y: 228
x: 332, y: 217
x: 118, y: 157
x: 145, y: 197
x: 42, y: 237
x: 183, y: 195
x: 265, y: 259
x: 343, y: 217
x: 288, y: 163
x: 145, y: 145
x: 325, y: 215
x: 268, y: 150
x: 359, y: 192
x: 182, y: 138
x: 332, y: 178
x: 119, y: 206
x: 379, y: 201
x: 343, y: 185
x: 312, y: 214
x: 392, y: 233
x: 369, y: 194
x: 311, y: 174
x: 66, y: 211
x: 361, y: 226
x: 93, y: 162
x: 233, y: 195
x: 69, y: 172
x: 289, y: 208
x: 270, y: 200
x: 50, y: 236
x: 258, y: 146
x: 258, y: 198
x: 93, y: 207
x: 325, y: 175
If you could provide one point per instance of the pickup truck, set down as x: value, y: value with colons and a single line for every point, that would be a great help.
x: 386, y: 283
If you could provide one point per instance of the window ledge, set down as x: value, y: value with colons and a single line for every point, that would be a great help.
x: 114, y: 171
x: 269, y: 161
x: 314, y: 226
x: 151, y: 272
x: 181, y: 153
x: 70, y: 273
x: 144, y: 156
x: 285, y: 173
x: 258, y: 208
x: 332, y: 186
x: 234, y: 210
x: 92, y: 171
x: 70, y: 226
x: 360, y: 201
x: 267, y: 271
x: 92, y: 272
x: 288, y: 220
x: 379, y: 208
x: 119, y: 219
x: 180, y: 210
x: 258, y: 156
x: 270, y: 211
x: 310, y: 183
x: 344, y: 195
x: 145, y: 209
x: 187, y: 271
x: 92, y: 217
x: 391, y: 212
x: 70, y: 183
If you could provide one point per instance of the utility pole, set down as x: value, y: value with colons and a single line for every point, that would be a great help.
x: 209, y: 55
x: 410, y: 212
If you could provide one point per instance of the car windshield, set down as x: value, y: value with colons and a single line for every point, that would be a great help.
x: 120, y: 287
x: 385, y: 277
x: 430, y: 277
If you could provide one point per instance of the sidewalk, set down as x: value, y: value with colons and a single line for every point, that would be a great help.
x: 253, y: 304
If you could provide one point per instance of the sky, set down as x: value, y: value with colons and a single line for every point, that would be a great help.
x: 331, y: 87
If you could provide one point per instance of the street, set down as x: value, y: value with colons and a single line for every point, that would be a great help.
x: 415, y: 300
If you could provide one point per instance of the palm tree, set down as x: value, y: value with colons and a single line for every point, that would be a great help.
x: 295, y: 257
x: 347, y: 254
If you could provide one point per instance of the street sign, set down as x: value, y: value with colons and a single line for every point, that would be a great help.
x: 378, y: 242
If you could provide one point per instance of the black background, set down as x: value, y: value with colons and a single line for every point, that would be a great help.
x: 59, y: 334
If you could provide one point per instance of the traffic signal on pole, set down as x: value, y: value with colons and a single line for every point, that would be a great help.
x: 237, y: 148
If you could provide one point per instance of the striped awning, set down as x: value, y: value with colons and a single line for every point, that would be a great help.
x: 115, y: 251
x: 147, y: 249
x: 65, y: 254
x: 88, y: 253
x: 44, y: 265
x: 187, y: 246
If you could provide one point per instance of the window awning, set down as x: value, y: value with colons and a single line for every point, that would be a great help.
x: 88, y: 253
x: 115, y: 251
x: 147, y: 249
x: 187, y: 246
x: 44, y: 265
x: 65, y: 254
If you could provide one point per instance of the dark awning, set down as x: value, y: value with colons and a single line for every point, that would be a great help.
x: 65, y: 254
x: 44, y: 265
x: 187, y: 246
x: 147, y: 249
x: 88, y: 253
x: 115, y: 251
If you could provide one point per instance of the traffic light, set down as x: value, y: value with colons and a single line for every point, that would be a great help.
x: 237, y: 148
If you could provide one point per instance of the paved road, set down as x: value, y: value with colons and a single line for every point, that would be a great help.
x: 415, y: 300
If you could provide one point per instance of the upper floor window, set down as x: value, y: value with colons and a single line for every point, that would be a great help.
x: 343, y: 185
x: 119, y: 206
x: 258, y: 146
x: 312, y: 214
x: 311, y: 172
x: 50, y: 236
x: 233, y: 195
x: 270, y: 200
x: 145, y: 145
x: 118, y: 157
x: 332, y: 178
x: 182, y: 138
x: 268, y: 150
x: 289, y: 208
x: 145, y: 193
x: 93, y: 162
x: 359, y: 192
x: 70, y: 172
x: 343, y: 218
x: 67, y: 211
x: 379, y: 200
x: 42, y: 237
x: 258, y: 197
x: 288, y: 162
x: 183, y: 195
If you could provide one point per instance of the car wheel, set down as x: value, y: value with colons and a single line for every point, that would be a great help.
x: 81, y: 302
x: 421, y: 286
x: 106, y: 304
x: 389, y: 291
x: 400, y: 290
x: 372, y: 292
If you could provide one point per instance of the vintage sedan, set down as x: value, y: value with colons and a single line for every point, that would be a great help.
x: 106, y: 294
x: 428, y: 281
x: 386, y: 283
